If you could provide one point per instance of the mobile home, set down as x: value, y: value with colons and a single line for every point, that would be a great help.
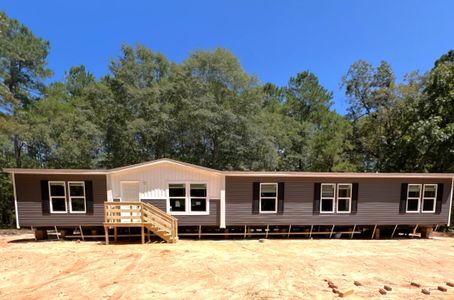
x: 170, y: 198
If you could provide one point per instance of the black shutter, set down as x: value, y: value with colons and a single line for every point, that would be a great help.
x: 280, y: 197
x: 45, y: 205
x: 316, y: 208
x: 354, y: 198
x: 255, y: 197
x: 439, y: 198
x: 89, y: 196
x: 403, y: 198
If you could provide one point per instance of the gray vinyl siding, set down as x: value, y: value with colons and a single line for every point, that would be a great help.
x: 212, y: 219
x: 29, y: 202
x: 378, y: 202
x: 159, y: 203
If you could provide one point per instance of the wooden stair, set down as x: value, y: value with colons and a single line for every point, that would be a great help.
x: 160, y: 223
x: 140, y: 214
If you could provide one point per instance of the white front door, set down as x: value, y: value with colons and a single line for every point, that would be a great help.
x: 129, y: 192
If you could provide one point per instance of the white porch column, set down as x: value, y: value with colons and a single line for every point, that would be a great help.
x: 450, y: 201
x: 13, y: 177
x: 222, y: 208
x: 109, y: 188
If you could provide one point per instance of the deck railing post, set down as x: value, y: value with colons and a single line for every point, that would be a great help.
x: 141, y: 213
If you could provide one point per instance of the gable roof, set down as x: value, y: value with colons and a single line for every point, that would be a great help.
x: 229, y: 173
x: 160, y: 161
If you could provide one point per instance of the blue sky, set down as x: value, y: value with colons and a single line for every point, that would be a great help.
x: 272, y: 39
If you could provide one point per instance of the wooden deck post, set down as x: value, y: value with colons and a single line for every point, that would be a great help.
x: 353, y: 231
x: 310, y: 234
x: 289, y: 230
x: 143, y: 234
x: 106, y: 232
x: 115, y: 234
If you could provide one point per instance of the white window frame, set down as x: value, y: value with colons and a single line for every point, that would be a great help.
x: 197, y: 198
x: 333, y: 198
x: 77, y: 197
x: 344, y: 198
x: 275, y: 198
x: 58, y: 197
x: 413, y: 198
x: 187, y: 197
x: 423, y: 198
x: 180, y: 197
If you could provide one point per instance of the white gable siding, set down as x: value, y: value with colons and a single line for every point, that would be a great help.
x: 154, y: 180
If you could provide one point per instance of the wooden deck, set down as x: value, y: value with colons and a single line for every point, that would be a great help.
x: 139, y: 214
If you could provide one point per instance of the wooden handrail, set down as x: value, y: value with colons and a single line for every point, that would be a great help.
x: 158, y: 211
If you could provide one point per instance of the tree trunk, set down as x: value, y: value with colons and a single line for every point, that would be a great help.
x: 17, y: 151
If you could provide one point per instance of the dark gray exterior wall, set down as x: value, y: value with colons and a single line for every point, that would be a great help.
x: 192, y: 220
x: 29, y: 203
x: 378, y: 202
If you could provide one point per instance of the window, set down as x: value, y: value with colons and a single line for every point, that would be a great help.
x: 268, y: 197
x: 198, y: 197
x: 57, y: 197
x: 177, y: 197
x: 336, y: 198
x: 188, y: 198
x: 77, y: 203
x: 429, y: 198
x: 328, y: 197
x: 413, y: 198
x: 344, y: 198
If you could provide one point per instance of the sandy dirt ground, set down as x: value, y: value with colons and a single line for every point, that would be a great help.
x: 230, y: 269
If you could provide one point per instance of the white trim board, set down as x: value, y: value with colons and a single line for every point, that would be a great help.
x: 15, y: 200
x: 450, y: 202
